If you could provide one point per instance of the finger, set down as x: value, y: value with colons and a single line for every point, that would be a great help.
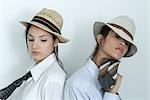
x: 116, y: 87
x: 118, y: 81
x: 119, y: 78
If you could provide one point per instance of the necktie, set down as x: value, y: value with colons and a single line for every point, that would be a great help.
x: 107, y: 73
x: 7, y: 91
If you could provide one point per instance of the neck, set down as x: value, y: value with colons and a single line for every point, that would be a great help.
x: 100, y: 58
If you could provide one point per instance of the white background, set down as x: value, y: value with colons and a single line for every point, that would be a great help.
x: 79, y: 16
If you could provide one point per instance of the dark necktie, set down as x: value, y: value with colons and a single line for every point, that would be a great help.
x: 6, y: 92
x: 106, y: 76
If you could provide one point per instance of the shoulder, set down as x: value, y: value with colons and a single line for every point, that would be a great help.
x: 80, y: 79
x: 55, y: 74
x: 56, y: 69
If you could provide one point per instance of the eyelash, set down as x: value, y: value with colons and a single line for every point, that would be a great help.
x: 30, y: 40
x: 43, y: 40
x: 127, y: 43
x: 117, y: 36
x: 33, y: 40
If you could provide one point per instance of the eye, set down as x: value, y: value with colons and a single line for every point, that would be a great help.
x: 30, y: 39
x: 117, y: 36
x: 44, y: 40
x: 127, y: 43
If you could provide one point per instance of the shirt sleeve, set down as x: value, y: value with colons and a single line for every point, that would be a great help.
x: 86, y: 91
x: 53, y: 90
x: 81, y: 91
x: 75, y: 93
x: 110, y: 96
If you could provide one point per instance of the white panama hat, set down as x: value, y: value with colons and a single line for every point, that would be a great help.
x: 124, y: 27
x: 50, y: 21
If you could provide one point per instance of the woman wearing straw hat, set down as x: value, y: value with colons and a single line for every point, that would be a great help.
x: 45, y: 78
x: 114, y: 41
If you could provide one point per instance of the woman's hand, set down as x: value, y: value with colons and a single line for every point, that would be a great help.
x: 116, y: 87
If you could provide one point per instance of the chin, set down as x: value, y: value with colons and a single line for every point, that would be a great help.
x: 37, y: 60
x: 116, y: 57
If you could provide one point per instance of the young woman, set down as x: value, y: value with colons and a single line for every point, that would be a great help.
x: 46, y: 78
x: 114, y: 41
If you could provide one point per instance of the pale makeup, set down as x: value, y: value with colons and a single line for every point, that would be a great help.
x: 40, y: 43
x: 113, y: 46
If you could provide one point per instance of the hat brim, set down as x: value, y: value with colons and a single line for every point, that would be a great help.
x: 97, y: 29
x: 60, y: 37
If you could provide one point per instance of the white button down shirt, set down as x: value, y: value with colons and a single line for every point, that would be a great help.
x: 46, y: 83
x: 84, y: 85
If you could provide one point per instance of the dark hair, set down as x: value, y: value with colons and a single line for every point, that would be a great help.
x: 104, y: 31
x: 55, y: 49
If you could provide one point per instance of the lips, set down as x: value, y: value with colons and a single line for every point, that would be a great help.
x: 120, y: 49
x: 35, y: 52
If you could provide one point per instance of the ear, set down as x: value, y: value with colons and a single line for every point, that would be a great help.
x: 56, y: 42
x: 99, y: 38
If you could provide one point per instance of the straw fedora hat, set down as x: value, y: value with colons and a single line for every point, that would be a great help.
x: 124, y: 27
x: 50, y: 21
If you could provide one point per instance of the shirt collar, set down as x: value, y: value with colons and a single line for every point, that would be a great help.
x: 37, y: 70
x: 94, y: 71
x: 92, y: 68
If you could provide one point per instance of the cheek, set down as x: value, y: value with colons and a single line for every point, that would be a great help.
x: 48, y: 48
x: 29, y: 46
x: 108, y: 46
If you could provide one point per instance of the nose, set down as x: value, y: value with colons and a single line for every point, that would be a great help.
x: 122, y: 43
x: 35, y: 45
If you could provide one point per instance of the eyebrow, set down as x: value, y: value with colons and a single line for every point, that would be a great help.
x: 43, y: 36
x: 39, y: 36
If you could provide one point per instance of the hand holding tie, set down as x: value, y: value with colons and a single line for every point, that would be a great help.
x: 108, y: 71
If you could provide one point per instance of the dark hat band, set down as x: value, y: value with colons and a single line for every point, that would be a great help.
x: 119, y: 27
x: 46, y: 23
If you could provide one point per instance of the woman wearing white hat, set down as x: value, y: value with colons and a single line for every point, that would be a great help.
x: 45, y: 78
x: 114, y: 41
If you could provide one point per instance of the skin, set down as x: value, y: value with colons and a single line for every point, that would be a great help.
x: 40, y: 43
x: 112, y: 47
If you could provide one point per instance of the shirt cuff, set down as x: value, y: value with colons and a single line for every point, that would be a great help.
x: 111, y: 96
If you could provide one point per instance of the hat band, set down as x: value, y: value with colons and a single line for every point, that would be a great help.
x: 119, y: 27
x: 46, y: 23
